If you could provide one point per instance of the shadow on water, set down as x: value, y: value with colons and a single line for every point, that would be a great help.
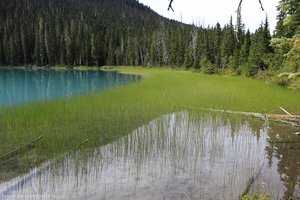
x: 19, y: 86
x: 176, y: 156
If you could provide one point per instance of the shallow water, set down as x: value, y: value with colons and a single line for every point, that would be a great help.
x: 176, y: 156
x: 19, y: 86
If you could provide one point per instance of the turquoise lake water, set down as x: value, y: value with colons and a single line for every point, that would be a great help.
x: 19, y: 86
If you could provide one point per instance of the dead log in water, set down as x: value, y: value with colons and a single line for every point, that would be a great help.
x: 247, y: 187
x: 251, y: 180
x: 284, y: 142
x: 250, y: 114
x: 19, y: 150
x: 288, y: 118
x: 284, y: 110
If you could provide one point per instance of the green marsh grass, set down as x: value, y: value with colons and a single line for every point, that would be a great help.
x: 105, y: 116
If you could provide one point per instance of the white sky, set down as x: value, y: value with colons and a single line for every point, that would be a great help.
x: 209, y: 12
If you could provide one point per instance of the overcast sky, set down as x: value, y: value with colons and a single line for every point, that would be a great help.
x: 209, y: 12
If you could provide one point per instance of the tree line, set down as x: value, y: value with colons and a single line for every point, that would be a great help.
x: 125, y: 32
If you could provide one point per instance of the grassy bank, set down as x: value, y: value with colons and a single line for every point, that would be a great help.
x: 106, y: 116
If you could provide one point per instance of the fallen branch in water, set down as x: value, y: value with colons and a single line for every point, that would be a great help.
x: 18, y: 150
x: 284, y: 142
x: 251, y: 181
x: 250, y: 114
x: 247, y: 187
x: 285, y: 111
x: 293, y: 120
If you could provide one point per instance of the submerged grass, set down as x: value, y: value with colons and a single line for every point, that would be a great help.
x: 105, y: 116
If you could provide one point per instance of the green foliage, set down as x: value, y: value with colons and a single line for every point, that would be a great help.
x: 292, y: 58
x: 245, y: 49
x: 286, y: 45
x: 234, y: 63
x: 250, y: 70
x: 287, y: 53
x: 207, y: 67
x: 288, y: 18
x: 260, y: 49
x: 228, y: 44
x: 290, y: 80
x: 295, y: 85
x: 280, y: 80
x: 257, y: 196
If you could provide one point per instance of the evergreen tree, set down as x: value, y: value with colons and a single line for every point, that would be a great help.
x: 115, y: 32
x: 288, y: 18
x: 259, y: 50
x: 244, y: 52
x: 217, y: 45
x: 228, y: 44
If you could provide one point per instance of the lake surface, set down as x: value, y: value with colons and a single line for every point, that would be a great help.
x: 177, y: 156
x: 18, y: 86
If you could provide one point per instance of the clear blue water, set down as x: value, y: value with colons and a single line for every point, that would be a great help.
x: 19, y: 86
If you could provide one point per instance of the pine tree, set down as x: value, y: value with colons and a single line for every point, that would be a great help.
x: 217, y: 45
x: 42, y: 48
x: 228, y: 45
x: 288, y: 18
x: 36, y: 54
x: 24, y: 45
x: 1, y: 53
x: 259, y: 50
x: 244, y: 52
x: 94, y: 55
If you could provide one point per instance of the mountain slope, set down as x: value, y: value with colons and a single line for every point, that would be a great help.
x: 72, y: 32
x: 112, y: 32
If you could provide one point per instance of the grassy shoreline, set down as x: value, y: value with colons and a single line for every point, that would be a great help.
x: 105, y: 116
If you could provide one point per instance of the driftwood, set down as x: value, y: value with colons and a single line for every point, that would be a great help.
x: 250, y: 114
x: 285, y: 111
x: 247, y: 187
x: 250, y: 182
x: 18, y: 150
x: 284, y: 142
x: 288, y: 118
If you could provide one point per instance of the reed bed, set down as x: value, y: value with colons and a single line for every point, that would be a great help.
x: 102, y: 117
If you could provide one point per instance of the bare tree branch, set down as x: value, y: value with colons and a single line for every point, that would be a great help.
x: 239, y: 14
x: 170, y: 5
x: 239, y: 7
x: 261, y: 6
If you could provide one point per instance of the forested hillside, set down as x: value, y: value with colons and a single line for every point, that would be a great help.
x: 111, y: 32
x: 125, y: 32
x: 73, y: 32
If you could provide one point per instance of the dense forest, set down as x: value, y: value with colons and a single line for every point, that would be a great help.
x: 125, y: 32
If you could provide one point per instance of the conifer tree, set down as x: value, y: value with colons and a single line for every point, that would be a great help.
x: 260, y: 48
x: 244, y: 52
x: 228, y: 44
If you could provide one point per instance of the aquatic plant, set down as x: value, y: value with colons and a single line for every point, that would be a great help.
x: 103, y: 117
x: 257, y: 196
